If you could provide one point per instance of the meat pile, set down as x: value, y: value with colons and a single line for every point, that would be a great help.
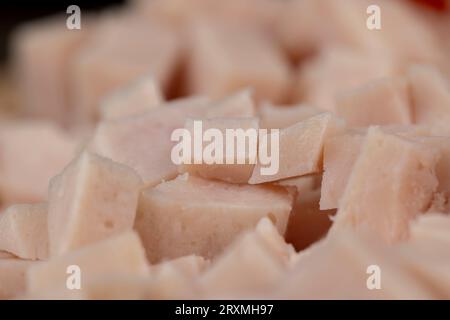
x: 93, y: 207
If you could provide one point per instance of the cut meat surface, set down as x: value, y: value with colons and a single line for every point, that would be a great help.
x: 280, y: 117
x: 220, y: 210
x: 92, y: 199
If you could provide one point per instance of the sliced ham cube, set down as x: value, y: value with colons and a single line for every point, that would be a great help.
x: 220, y: 210
x: 150, y: 151
x: 380, y: 102
x: 224, y: 58
x: 251, y: 265
x: 280, y: 117
x: 430, y: 97
x: 42, y: 52
x: 239, y: 104
x: 137, y: 98
x: 31, y: 153
x: 300, y: 148
x: 321, y: 79
x: 122, y: 254
x: 236, y: 169
x: 92, y: 199
x: 103, y: 65
x: 339, y: 155
x: 13, y: 281
x: 191, y: 265
x: 392, y: 181
x: 24, y: 232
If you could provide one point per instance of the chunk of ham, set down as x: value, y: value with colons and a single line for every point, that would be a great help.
x: 280, y: 117
x: 236, y: 169
x: 393, y: 180
x: 220, y: 210
x: 118, y: 255
x: 380, y: 102
x: 136, y: 98
x: 24, y: 231
x: 238, y: 104
x: 31, y: 153
x: 92, y: 199
x: 300, y: 148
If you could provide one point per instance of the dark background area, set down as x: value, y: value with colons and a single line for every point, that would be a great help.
x: 13, y: 13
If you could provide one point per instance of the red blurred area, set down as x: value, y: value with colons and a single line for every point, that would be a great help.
x: 440, y: 5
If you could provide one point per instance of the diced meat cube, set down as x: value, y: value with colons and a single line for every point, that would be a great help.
x: 42, y: 52
x: 104, y: 64
x: 430, y: 95
x: 300, y: 148
x: 190, y: 266
x: 150, y: 151
x: 235, y: 169
x: 31, y: 153
x: 220, y: 210
x: 380, y: 102
x: 280, y: 117
x: 225, y: 58
x: 92, y: 199
x: 119, y: 255
x: 24, y: 232
x: 13, y: 276
x: 339, y: 155
x: 325, y: 76
x: 250, y: 265
x: 239, y: 104
x: 138, y: 97
x: 392, y: 181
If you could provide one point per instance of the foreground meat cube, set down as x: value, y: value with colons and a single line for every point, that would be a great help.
x: 280, y: 117
x: 239, y: 104
x: 120, y: 255
x: 430, y: 95
x: 300, y: 148
x: 24, y: 232
x: 13, y: 276
x: 224, y: 59
x: 333, y: 71
x: 137, y: 98
x: 104, y: 64
x: 341, y: 266
x: 253, y: 264
x: 220, y: 211
x: 380, y: 102
x: 191, y: 265
x: 42, y: 52
x: 339, y: 155
x: 392, y: 181
x: 92, y: 199
x: 31, y: 153
x: 150, y: 151
x: 235, y: 169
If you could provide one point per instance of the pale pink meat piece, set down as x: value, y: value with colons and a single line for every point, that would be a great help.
x: 300, y: 148
x: 392, y: 181
x: 42, y: 52
x: 239, y: 104
x: 225, y: 58
x: 322, y: 78
x: 104, y: 65
x: 430, y: 97
x: 31, y: 153
x: 339, y: 155
x: 24, y: 232
x: 122, y: 254
x: 379, y: 102
x: 190, y: 215
x: 13, y: 276
x: 254, y: 263
x: 138, y: 97
x: 235, y: 169
x: 150, y: 151
x: 92, y: 199
x: 191, y: 265
x: 280, y: 117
